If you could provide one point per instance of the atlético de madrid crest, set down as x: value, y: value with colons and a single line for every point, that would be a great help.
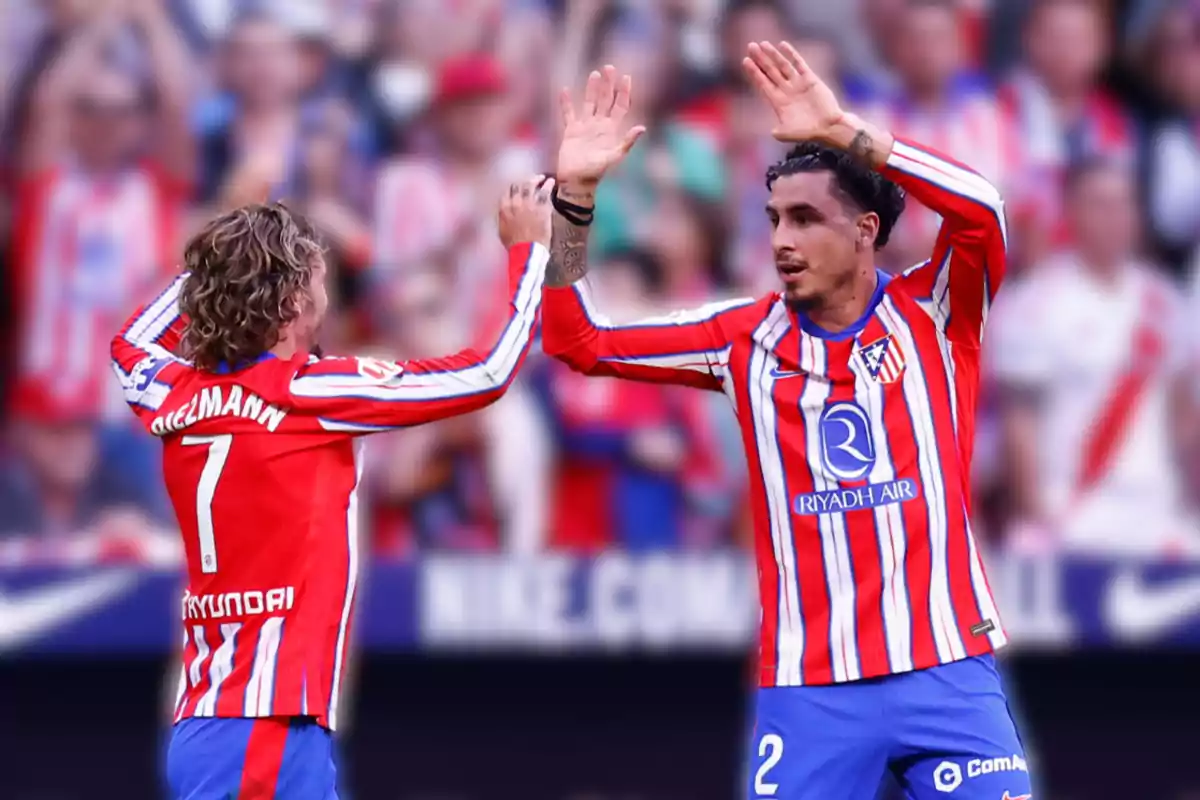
x: 883, y: 359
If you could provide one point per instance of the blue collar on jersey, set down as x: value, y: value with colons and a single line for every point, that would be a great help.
x: 813, y: 329
x: 225, y: 369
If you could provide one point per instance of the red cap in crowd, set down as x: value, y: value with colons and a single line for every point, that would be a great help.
x: 469, y: 76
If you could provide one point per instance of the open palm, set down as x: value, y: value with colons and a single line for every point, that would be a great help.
x: 804, y: 105
x: 595, y: 136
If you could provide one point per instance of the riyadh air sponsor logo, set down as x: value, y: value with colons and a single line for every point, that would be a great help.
x: 948, y: 775
x: 848, y: 454
x: 28, y: 614
x: 1135, y: 609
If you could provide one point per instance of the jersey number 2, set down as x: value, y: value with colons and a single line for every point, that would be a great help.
x: 771, y: 746
x: 218, y: 452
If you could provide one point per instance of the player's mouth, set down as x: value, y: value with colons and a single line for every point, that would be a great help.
x: 790, y: 269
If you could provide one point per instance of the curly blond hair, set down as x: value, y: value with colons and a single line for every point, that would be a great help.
x: 249, y: 272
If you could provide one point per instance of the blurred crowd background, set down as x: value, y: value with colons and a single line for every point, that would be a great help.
x: 396, y: 125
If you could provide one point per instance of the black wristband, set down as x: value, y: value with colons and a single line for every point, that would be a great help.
x: 580, y: 216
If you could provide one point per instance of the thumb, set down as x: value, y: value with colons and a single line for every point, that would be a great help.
x: 631, y: 138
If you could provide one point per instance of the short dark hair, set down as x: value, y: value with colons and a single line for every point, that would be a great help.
x: 864, y: 188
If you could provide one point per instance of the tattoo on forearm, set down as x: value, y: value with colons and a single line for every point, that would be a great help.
x: 568, y: 247
x: 861, y: 146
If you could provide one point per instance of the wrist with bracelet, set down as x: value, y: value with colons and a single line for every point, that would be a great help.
x: 580, y: 216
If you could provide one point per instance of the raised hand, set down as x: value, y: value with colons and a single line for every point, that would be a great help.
x: 806, y: 108
x: 525, y: 212
x: 595, y: 136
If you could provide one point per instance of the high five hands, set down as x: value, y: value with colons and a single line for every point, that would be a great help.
x: 804, y: 105
x: 806, y: 109
x: 596, y: 135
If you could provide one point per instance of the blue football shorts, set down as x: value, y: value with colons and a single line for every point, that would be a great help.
x: 944, y: 732
x: 212, y: 758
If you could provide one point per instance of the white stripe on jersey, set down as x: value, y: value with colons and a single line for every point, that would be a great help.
x: 941, y: 318
x: 260, y: 689
x: 157, y: 316
x: 197, y: 664
x: 987, y: 605
x: 183, y: 678
x: 948, y: 174
x: 916, y: 391
x: 493, y: 372
x: 889, y: 526
x: 789, y: 642
x: 835, y: 546
x: 218, y: 670
x: 704, y: 361
x: 351, y: 583
x: 352, y: 427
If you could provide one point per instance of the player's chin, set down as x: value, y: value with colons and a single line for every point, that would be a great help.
x: 798, y: 295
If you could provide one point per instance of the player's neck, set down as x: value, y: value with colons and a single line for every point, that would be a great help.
x: 845, y: 305
x: 286, y: 348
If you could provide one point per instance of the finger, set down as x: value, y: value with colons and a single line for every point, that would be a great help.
x: 797, y: 60
x: 631, y: 138
x: 786, y: 68
x: 544, y: 193
x: 608, y: 91
x: 591, y: 94
x: 566, y: 106
x: 766, y: 64
x: 514, y: 189
x: 623, y: 98
x: 761, y: 82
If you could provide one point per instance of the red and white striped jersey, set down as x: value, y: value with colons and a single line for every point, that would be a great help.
x: 80, y: 266
x: 262, y: 467
x: 859, y: 443
x: 972, y: 125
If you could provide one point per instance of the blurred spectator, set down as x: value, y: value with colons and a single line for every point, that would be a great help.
x: 936, y: 104
x: 440, y: 202
x: 1089, y: 352
x: 1061, y: 114
x: 466, y: 483
x: 106, y: 163
x: 1172, y: 62
x: 636, y: 462
x: 269, y: 104
x: 57, y: 485
x: 671, y: 153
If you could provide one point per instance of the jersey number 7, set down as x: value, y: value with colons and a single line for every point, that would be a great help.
x: 218, y: 452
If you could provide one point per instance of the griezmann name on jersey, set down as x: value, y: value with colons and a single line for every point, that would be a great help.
x: 262, y: 467
x: 859, y: 442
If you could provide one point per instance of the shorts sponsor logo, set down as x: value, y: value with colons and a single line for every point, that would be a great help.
x: 947, y: 777
x: 986, y: 766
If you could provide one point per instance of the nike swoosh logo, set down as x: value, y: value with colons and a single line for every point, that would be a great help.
x: 784, y: 373
x: 1008, y: 796
x: 35, y: 612
x: 1136, y: 610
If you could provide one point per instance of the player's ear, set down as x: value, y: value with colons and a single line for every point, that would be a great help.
x: 868, y: 230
